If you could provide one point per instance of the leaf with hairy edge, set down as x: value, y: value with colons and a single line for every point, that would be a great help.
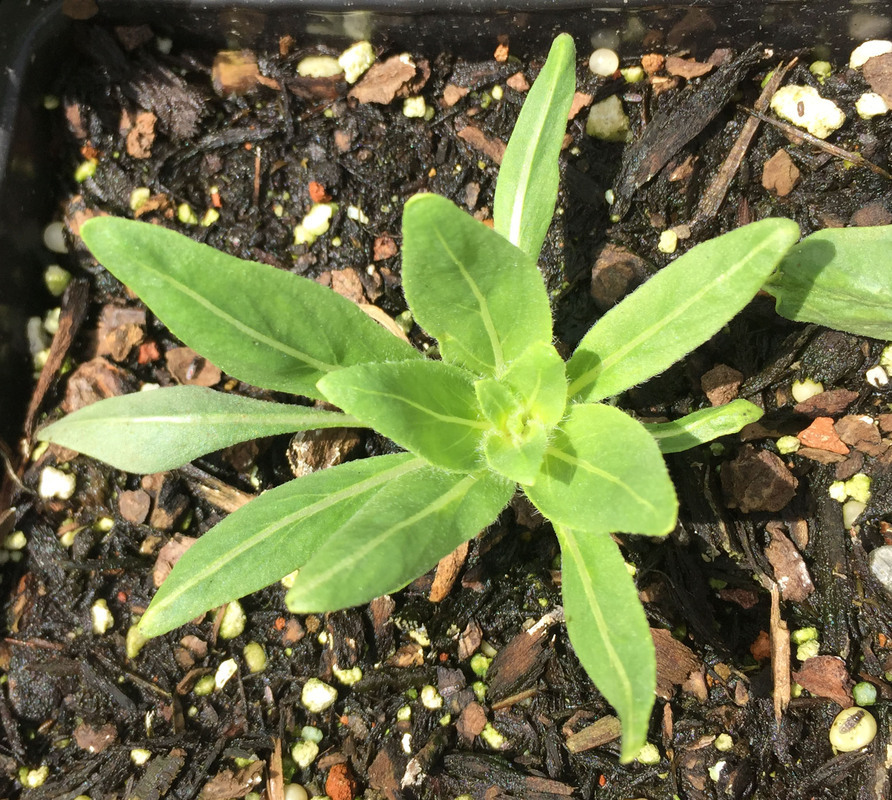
x: 427, y: 407
x: 155, y: 431
x: 539, y: 379
x: 677, y: 310
x: 703, y: 426
x: 260, y: 324
x: 840, y: 278
x: 479, y: 295
x: 527, y: 187
x: 519, y: 455
x: 608, y: 630
x: 603, y: 472
x: 269, y: 538
x: 398, y: 535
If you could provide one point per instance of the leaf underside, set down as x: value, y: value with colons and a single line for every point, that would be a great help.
x: 259, y: 324
x: 840, y: 278
x: 158, y: 430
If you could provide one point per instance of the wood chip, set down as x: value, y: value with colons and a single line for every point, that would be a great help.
x: 580, y: 101
x: 310, y: 451
x: 470, y: 640
x: 721, y: 384
x: 95, y: 740
x: 519, y: 663
x: 384, y: 247
x: 789, y: 567
x: 489, y: 146
x: 235, y: 72
x: 861, y: 433
x: 188, y: 367
x: 95, y: 380
x: 229, y: 783
x: 134, y: 505
x: 518, y: 82
x: 826, y: 676
x: 386, y: 771
x: 821, y: 435
x: 169, y: 555
x: 409, y: 655
x: 617, y: 271
x: 779, y: 174
x: 757, y: 480
x: 383, y: 81
x: 780, y: 656
x: 827, y: 404
x: 877, y: 72
x: 653, y: 63
x: 447, y: 571
x: 452, y: 94
x: 675, y: 662
x: 471, y: 722
x: 346, y: 283
x: 686, y: 67
x: 79, y: 9
x: 139, y: 130
x: 605, y: 730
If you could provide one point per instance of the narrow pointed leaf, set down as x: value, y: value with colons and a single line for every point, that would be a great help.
x: 703, y: 426
x: 527, y: 187
x: 427, y: 407
x: 677, y: 310
x: 268, y: 538
x: 608, y: 630
x: 480, y: 296
x: 398, y: 535
x: 840, y: 278
x: 260, y: 324
x: 155, y: 431
x: 603, y: 472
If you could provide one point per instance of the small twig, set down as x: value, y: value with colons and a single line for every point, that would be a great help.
x: 715, y: 194
x: 832, y: 149
x: 779, y: 636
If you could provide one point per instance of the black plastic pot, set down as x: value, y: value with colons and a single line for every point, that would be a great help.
x: 37, y: 36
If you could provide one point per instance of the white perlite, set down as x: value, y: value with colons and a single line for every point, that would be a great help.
x: 317, y: 696
x: 867, y: 50
x: 805, y: 108
x: 55, y: 483
x: 355, y: 60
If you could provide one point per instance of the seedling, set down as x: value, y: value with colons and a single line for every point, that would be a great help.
x: 500, y: 410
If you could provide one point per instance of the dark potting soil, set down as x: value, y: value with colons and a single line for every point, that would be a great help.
x: 75, y: 703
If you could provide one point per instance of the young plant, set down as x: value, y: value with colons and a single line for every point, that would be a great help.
x: 501, y: 410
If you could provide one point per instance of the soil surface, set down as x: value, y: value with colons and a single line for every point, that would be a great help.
x: 760, y: 549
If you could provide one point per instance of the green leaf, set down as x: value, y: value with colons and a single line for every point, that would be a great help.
x: 268, y: 538
x: 840, y: 278
x: 527, y: 186
x: 497, y: 401
x: 398, y: 535
x: 603, y: 472
x: 480, y: 296
x: 703, y: 426
x: 538, y: 377
x: 677, y: 310
x: 427, y: 407
x: 608, y: 630
x: 260, y: 324
x: 155, y: 431
x: 517, y: 456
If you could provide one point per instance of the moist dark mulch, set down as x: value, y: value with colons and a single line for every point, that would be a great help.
x: 75, y: 703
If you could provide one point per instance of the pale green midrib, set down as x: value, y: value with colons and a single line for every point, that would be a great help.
x: 273, y: 344
x: 298, y: 516
x: 469, y: 423
x: 483, y: 306
x: 567, y: 542
x: 526, y: 171
x: 620, y: 353
x: 241, y: 419
x: 346, y: 566
x: 592, y: 469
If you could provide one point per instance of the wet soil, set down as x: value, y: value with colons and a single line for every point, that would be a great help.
x: 721, y: 593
